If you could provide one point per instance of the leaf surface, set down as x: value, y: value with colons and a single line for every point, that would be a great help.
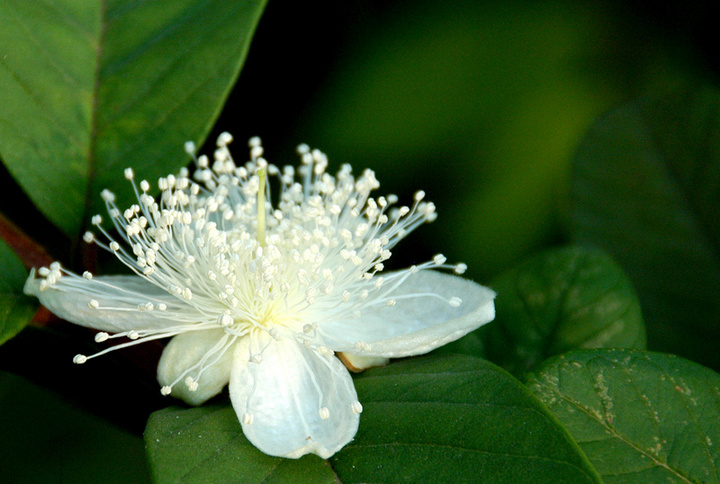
x: 455, y: 419
x: 206, y: 444
x: 90, y: 88
x: 559, y: 300
x: 646, y: 188
x: 640, y: 417
x: 16, y: 309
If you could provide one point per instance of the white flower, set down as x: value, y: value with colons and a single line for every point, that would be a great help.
x: 266, y: 298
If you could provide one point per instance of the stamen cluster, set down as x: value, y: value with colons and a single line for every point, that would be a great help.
x: 219, y: 256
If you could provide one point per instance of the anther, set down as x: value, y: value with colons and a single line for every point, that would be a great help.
x: 325, y: 351
x: 191, y: 384
x: 324, y: 413
x: 460, y: 268
x: 225, y: 320
x: 107, y: 196
x: 356, y: 407
x: 88, y: 237
x: 439, y: 259
x: 190, y: 148
x: 93, y: 304
x: 129, y: 174
x: 165, y: 391
x: 102, y: 336
x: 87, y: 275
x: 79, y: 359
x: 248, y: 418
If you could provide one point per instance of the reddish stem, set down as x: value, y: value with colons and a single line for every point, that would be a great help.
x: 30, y: 252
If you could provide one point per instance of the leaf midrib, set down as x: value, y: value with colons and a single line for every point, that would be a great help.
x: 92, y: 143
x: 611, y: 430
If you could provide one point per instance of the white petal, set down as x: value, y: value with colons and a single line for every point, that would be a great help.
x: 70, y: 297
x: 186, y: 351
x: 282, y: 399
x: 415, y: 324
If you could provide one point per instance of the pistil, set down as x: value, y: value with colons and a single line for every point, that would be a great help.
x: 262, y: 175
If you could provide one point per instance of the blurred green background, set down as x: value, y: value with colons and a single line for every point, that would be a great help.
x: 480, y: 104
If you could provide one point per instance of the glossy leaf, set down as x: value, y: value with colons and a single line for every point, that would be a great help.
x: 455, y: 419
x: 560, y: 300
x: 646, y: 188
x: 90, y: 88
x: 16, y: 309
x: 640, y: 417
x: 206, y: 444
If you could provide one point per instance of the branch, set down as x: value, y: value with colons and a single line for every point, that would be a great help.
x: 30, y: 252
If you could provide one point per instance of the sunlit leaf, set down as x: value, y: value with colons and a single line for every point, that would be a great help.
x: 640, y: 417
x: 90, y: 88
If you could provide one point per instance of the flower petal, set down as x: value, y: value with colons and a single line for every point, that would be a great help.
x: 294, y: 401
x: 71, y: 296
x: 417, y: 323
x: 183, y: 356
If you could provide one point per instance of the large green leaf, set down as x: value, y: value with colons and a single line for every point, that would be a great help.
x: 560, y: 300
x: 455, y: 419
x: 646, y: 188
x: 16, y: 309
x: 206, y: 444
x: 92, y: 87
x: 449, y: 419
x: 640, y: 417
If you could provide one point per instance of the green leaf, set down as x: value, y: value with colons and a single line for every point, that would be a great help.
x: 560, y: 300
x: 646, y: 188
x: 640, y: 417
x: 206, y: 444
x: 16, y: 309
x: 90, y: 88
x: 455, y: 419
